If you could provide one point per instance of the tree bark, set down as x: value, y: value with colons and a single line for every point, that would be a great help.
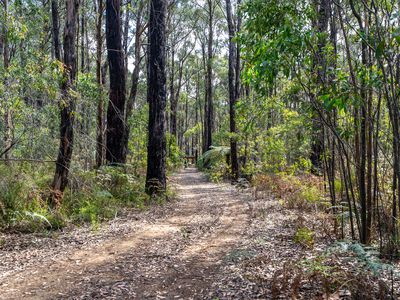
x: 56, y: 29
x: 321, y: 26
x: 67, y: 104
x: 361, y: 163
x: 8, y: 124
x: 157, y: 97
x: 100, y: 104
x: 172, y: 102
x: 209, y: 111
x: 83, y: 28
x: 116, y: 109
x: 126, y: 35
x: 233, y: 91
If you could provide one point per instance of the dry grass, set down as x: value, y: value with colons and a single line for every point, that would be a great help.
x: 304, y: 192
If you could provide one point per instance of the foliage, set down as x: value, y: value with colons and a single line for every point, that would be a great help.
x: 367, y: 257
x: 214, y: 156
x: 280, y: 140
x: 93, y: 196
x: 300, y: 192
x: 305, y: 237
x: 174, y: 153
x: 329, y: 275
x: 138, y: 141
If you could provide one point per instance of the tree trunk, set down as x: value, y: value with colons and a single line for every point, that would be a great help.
x: 83, y: 28
x: 8, y: 124
x: 135, y: 75
x: 56, y: 29
x: 126, y: 35
x: 233, y: 93
x: 361, y: 163
x: 116, y: 109
x: 319, y: 64
x: 157, y: 97
x: 172, y: 102
x: 100, y: 104
x: 209, y: 111
x: 67, y: 104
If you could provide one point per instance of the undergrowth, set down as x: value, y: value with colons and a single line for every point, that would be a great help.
x: 349, y: 272
x: 214, y: 163
x: 302, y: 191
x: 92, y: 196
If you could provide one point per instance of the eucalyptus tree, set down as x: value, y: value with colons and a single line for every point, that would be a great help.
x: 234, y: 86
x: 157, y: 99
x: 347, y: 79
x: 8, y: 139
x: 67, y: 105
x: 181, y: 45
x: 208, y: 105
x: 115, y: 151
x: 100, y: 72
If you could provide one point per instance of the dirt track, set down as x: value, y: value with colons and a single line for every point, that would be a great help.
x: 172, y: 253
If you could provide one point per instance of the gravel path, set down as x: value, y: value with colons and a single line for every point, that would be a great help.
x: 176, y: 251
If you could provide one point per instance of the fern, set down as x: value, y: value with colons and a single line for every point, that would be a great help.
x: 39, y: 217
x: 367, y: 256
x: 213, y: 156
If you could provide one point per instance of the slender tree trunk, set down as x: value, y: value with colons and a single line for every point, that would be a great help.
x: 175, y: 91
x: 172, y: 101
x: 67, y: 104
x: 116, y: 109
x: 185, y: 128
x: 87, y: 42
x: 126, y: 35
x: 199, y: 114
x: 157, y: 98
x: 83, y: 28
x: 56, y: 29
x: 8, y: 124
x: 362, y: 161
x: 209, y: 111
x: 233, y: 93
x: 333, y: 115
x: 177, y: 95
x: 83, y: 106
x: 238, y: 52
x: 100, y: 140
x: 197, y: 109
x: 135, y: 75
x: 317, y: 143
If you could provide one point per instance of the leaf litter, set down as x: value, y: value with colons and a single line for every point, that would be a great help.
x: 212, y: 242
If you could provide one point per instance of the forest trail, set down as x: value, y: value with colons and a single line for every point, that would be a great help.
x: 171, y: 253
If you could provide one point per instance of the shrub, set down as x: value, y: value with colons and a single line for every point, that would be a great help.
x: 174, y: 154
x: 218, y: 172
x: 92, y: 196
x: 212, y: 157
x: 302, y: 192
x: 102, y: 194
x: 305, y: 237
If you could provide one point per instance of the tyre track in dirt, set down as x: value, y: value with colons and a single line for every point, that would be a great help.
x: 176, y: 256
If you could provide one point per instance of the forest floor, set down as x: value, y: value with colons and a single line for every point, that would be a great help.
x: 213, y: 241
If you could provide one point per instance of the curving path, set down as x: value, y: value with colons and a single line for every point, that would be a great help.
x: 175, y: 253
